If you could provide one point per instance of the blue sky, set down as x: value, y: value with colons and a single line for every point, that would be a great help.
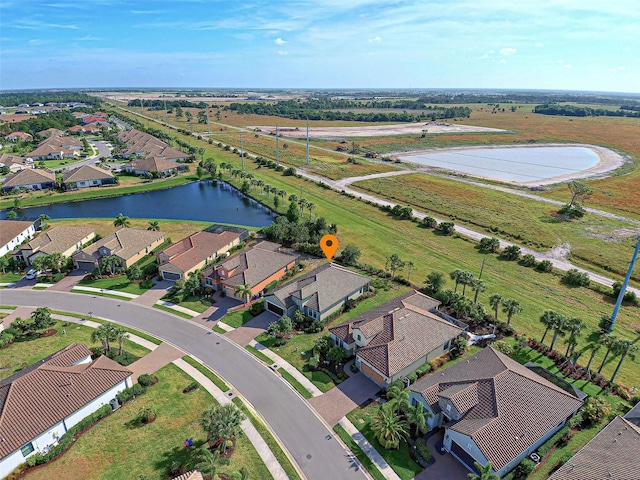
x: 534, y: 44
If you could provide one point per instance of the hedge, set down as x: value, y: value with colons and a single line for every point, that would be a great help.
x: 549, y: 444
x: 128, y: 393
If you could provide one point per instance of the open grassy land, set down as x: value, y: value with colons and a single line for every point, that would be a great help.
x: 120, y: 447
x: 22, y: 353
x: 526, y: 222
x: 379, y: 236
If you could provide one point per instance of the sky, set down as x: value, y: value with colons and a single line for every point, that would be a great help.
x: 420, y: 44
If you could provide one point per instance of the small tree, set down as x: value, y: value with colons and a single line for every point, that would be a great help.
x: 122, y: 221
x: 511, y: 307
x: 434, y: 283
x: 154, y: 226
x: 394, y: 264
x: 489, y: 244
x: 388, y: 428
x: 336, y: 355
x: 243, y: 291
x: 446, y: 228
x: 134, y: 272
x: 293, y: 213
x: 495, y: 301
x: 512, y: 252
x: 576, y: 278
x: 484, y: 473
x: 458, y: 347
x: 41, y: 319
x: 350, y: 255
x: 429, y: 222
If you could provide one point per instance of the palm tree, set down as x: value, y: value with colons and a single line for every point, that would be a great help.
x: 43, y: 220
x: 243, y: 291
x: 122, y: 221
x: 222, y: 422
x: 610, y: 342
x: 104, y: 334
x: 398, y: 397
x: 410, y: 266
x: 302, y: 203
x: 418, y: 416
x: 478, y: 286
x: 456, y: 276
x: 207, y: 464
x: 154, y: 226
x: 120, y: 334
x: 548, y: 319
x: 282, y: 194
x: 293, y: 198
x: 495, y: 301
x: 558, y: 326
x: 310, y: 207
x: 511, y: 307
x: 484, y: 473
x: 574, y: 327
x: 388, y: 428
x: 594, y: 347
x: 624, y: 348
x: 466, y: 279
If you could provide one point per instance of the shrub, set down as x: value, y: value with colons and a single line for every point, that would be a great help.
x: 528, y: 260
x: 191, y: 387
x: 489, y: 244
x: 576, y: 278
x: 412, y: 377
x: 429, y: 222
x: 549, y: 444
x: 525, y: 467
x: 422, y: 449
x: 458, y: 347
x: 128, y: 393
x: 349, y: 305
x: 512, y: 252
x: 257, y: 308
x: 575, y: 421
x: 503, y: 347
x: 564, y: 458
x: 5, y: 339
x: 423, y: 370
x: 594, y: 410
x: 446, y: 228
x: 147, y: 283
x: 145, y: 380
x: 545, y: 266
x: 313, y: 362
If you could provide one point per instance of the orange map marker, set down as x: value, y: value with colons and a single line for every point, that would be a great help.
x: 329, y: 245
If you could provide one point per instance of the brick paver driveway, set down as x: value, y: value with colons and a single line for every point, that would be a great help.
x: 155, y: 293
x: 154, y: 361
x: 340, y: 400
x: 446, y: 466
x: 68, y: 282
x: 250, y: 330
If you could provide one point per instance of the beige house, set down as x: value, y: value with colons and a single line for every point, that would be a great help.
x: 87, y: 176
x: 128, y: 244
x: 31, y: 179
x: 64, y: 240
x: 146, y: 145
x: 193, y: 253
x: 18, y: 136
x: 396, y: 338
x: 163, y: 167
x: 57, y: 148
x: 15, y: 163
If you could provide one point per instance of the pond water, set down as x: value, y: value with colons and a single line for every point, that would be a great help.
x: 515, y: 164
x: 204, y: 201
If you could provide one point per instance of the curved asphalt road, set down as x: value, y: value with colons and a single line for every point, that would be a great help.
x: 307, y: 438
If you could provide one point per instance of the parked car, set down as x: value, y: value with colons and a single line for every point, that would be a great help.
x: 31, y: 274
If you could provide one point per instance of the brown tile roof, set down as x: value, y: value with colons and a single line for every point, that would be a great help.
x: 49, y: 132
x: 47, y: 392
x: 614, y: 453
x: 399, y: 332
x: 153, y: 164
x: 58, y: 239
x: 30, y: 176
x: 8, y: 160
x: 10, y: 229
x: 253, y: 266
x: 148, y: 145
x: 125, y: 243
x: 85, y: 173
x: 515, y: 407
x: 196, y: 248
x: 22, y: 135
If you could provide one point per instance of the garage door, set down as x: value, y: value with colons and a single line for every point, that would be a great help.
x: 275, y: 309
x: 86, y: 266
x: 171, y: 276
x: 463, y: 456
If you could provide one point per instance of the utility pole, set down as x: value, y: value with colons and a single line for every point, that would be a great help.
x: 624, y: 287
x: 208, y: 125
x: 277, y: 148
x: 166, y: 119
x: 307, y: 141
x: 482, y: 268
x: 241, y: 152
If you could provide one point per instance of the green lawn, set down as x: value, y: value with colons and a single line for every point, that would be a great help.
x: 295, y: 383
x: 400, y: 460
x: 22, y: 353
x: 237, y: 319
x: 207, y: 373
x: 120, y: 283
x: 357, y: 451
x: 10, y: 277
x: 173, y: 311
x: 194, y: 303
x: 119, y: 447
x: 259, y: 354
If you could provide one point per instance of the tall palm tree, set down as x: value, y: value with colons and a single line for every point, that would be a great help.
x: 302, y: 203
x: 548, y: 319
x: 456, y: 275
x: 594, y: 347
x: 511, y: 307
x: 478, y: 286
x: 495, y: 301
x: 310, y: 207
x: 410, y: 266
x: 400, y: 400
x: 243, y: 291
x: 122, y: 221
x: 388, y: 428
x: 466, y: 279
x: 624, y: 348
x: 207, y: 464
x: 484, y: 473
x: 120, y: 334
x: 154, y: 226
x: 282, y: 194
x: 222, y: 422
x: 558, y: 326
x: 610, y: 342
x: 104, y: 334
x: 574, y: 327
x: 418, y: 416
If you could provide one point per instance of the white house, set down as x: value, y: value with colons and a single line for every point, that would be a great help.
x: 41, y: 402
x: 13, y: 233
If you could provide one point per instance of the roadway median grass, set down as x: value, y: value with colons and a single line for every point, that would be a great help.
x: 295, y: 383
x: 218, y: 382
x: 259, y: 355
x: 120, y: 283
x: 360, y: 455
x: 173, y: 311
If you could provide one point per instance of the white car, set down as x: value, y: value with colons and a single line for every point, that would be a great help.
x: 31, y: 274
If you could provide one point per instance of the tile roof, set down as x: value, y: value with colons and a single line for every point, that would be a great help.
x: 58, y: 239
x: 125, y: 243
x: 141, y: 142
x: 196, y: 248
x: 49, y: 132
x: 18, y: 135
x: 8, y: 160
x: 192, y: 475
x: 399, y: 332
x: 152, y: 164
x: 253, y: 266
x: 85, y: 173
x: 614, y: 453
x: 322, y: 287
x: 10, y: 229
x: 30, y: 176
x: 515, y: 407
x: 47, y: 392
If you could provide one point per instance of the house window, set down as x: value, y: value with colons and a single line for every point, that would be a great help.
x: 469, y: 446
x: 359, y: 337
x: 446, y: 345
x: 27, y: 449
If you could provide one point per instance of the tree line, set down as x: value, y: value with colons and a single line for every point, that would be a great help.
x: 59, y: 120
x: 160, y: 104
x: 576, y: 111
x: 14, y: 99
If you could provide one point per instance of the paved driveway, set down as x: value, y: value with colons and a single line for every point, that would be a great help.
x: 155, y: 293
x: 340, y: 400
x: 446, y: 466
x: 68, y: 282
x: 250, y: 330
x: 154, y: 361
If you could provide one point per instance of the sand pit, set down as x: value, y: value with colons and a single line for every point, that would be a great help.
x: 374, y: 130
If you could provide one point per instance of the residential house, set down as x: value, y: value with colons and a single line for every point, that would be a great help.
x: 50, y: 132
x: 13, y: 233
x: 80, y: 129
x: 396, y: 338
x: 60, y: 239
x: 493, y: 409
x: 633, y: 415
x: 257, y: 267
x: 613, y: 453
x: 40, y: 403
x: 318, y: 293
x: 142, y: 144
x: 128, y: 244
x: 31, y: 179
x: 194, y: 252
x: 162, y: 167
x: 14, y: 163
x: 18, y: 136
x: 57, y: 148
x: 87, y: 176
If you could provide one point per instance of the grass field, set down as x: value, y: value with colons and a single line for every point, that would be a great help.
x: 120, y: 283
x: 529, y: 223
x: 237, y: 319
x: 120, y: 447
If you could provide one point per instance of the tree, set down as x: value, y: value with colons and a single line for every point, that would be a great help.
x: 489, y: 244
x: 388, y: 428
x: 610, y: 342
x: 122, y: 221
x: 293, y: 213
x: 43, y: 220
x: 624, y: 348
x: 477, y: 286
x: 350, y: 255
x: 302, y: 203
x: 594, y: 409
x: 594, y: 347
x: 39, y: 263
x: 399, y: 398
x: 579, y: 193
x: 178, y: 112
x: 435, y: 282
x: 276, y: 202
x: 192, y: 284
x: 574, y: 326
x: 512, y: 252
x: 410, y: 266
x: 111, y: 263
x: 154, y: 226
x: 134, y: 272
x: 11, y: 215
x: 222, y: 422
x: 576, y: 278
x: 558, y: 327
x: 465, y: 278
x: 484, y: 473
x: 336, y: 355
x: 456, y: 276
x: 41, y: 319
x: 199, y: 172
x: 189, y: 116
x: 4, y: 263
x: 418, y: 416
x: 511, y: 307
x: 548, y: 319
x: 283, y: 326
x: 104, y: 334
x: 446, y: 228
x: 207, y: 464
x: 243, y: 291
x: 310, y: 207
x: 394, y: 264
x: 495, y: 301
x: 120, y: 334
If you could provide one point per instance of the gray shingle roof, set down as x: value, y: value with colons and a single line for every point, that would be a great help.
x: 125, y: 243
x: 58, y: 239
x: 85, y: 173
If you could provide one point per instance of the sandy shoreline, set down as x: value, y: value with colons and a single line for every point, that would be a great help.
x: 609, y: 161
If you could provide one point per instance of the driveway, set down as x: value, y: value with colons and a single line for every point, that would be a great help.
x: 154, y: 361
x: 250, y: 330
x: 293, y: 421
x: 340, y: 400
x: 155, y: 293
x: 68, y: 282
x: 446, y: 466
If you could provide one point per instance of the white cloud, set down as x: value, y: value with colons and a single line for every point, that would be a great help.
x: 145, y: 12
x: 507, y: 51
x: 568, y: 65
x: 491, y: 52
x: 283, y: 53
x: 559, y: 61
x: 539, y: 44
x: 279, y: 41
x: 89, y: 38
x: 375, y: 40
